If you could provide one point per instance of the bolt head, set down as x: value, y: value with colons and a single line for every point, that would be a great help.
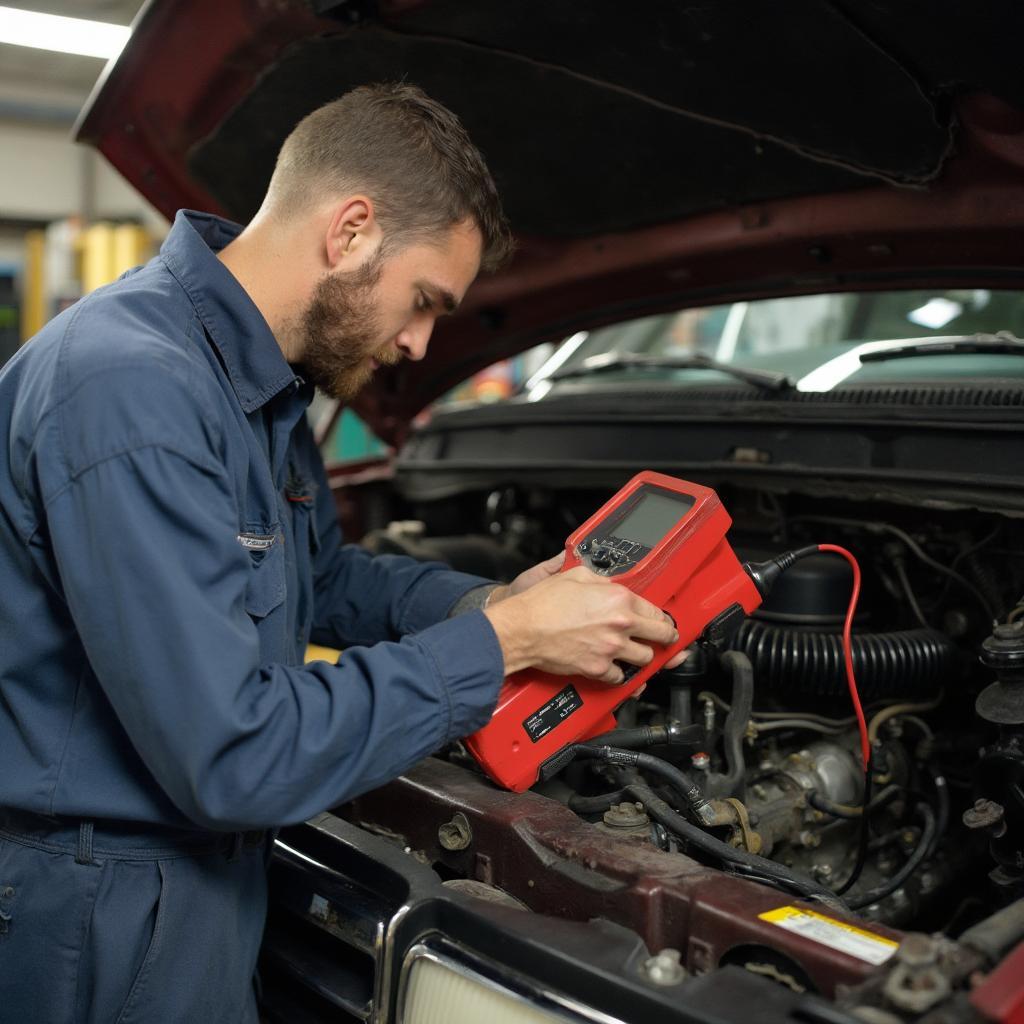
x: 984, y: 814
x: 917, y: 950
x: 665, y: 968
x: 625, y: 816
x: 1009, y: 631
x: 456, y: 834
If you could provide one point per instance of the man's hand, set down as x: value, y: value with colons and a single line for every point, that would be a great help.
x: 576, y: 623
x: 525, y: 580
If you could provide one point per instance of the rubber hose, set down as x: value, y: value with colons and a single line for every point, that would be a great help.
x: 596, y: 804
x: 985, y: 579
x: 647, y: 736
x: 820, y: 802
x: 736, y: 722
x: 681, y: 783
x: 810, y: 663
x: 942, y: 806
x: 706, y: 843
x: 998, y: 934
x: 914, y: 861
x: 604, y: 801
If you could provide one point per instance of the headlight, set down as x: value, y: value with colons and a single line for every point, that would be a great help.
x: 438, y: 988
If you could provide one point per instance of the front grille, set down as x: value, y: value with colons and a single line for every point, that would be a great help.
x: 322, y: 942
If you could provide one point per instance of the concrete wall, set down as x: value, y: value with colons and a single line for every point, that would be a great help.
x: 45, y: 176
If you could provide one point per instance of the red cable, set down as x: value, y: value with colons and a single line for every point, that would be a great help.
x: 851, y: 681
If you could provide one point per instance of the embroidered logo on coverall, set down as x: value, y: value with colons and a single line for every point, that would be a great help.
x: 256, y: 542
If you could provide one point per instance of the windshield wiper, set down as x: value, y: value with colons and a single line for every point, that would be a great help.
x: 1001, y: 344
x: 693, y: 361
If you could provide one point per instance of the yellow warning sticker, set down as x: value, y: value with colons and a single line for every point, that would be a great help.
x: 847, y: 938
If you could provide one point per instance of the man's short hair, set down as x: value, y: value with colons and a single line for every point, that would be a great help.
x: 408, y: 153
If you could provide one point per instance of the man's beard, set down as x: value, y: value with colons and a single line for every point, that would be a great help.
x: 340, y: 329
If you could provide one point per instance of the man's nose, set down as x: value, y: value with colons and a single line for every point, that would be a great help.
x: 412, y: 341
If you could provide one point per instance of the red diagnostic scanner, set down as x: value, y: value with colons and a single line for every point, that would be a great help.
x: 665, y: 540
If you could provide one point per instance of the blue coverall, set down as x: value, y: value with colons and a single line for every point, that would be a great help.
x: 168, y: 546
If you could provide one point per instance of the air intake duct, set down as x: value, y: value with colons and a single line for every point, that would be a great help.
x: 797, y: 660
x: 794, y: 640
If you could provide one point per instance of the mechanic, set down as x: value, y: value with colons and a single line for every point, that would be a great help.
x: 169, y: 546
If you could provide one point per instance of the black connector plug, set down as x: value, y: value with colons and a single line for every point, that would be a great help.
x: 766, y: 574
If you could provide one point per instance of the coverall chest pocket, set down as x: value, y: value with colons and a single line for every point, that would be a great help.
x: 266, y: 587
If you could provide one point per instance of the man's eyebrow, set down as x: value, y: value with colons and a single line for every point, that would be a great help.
x: 448, y: 300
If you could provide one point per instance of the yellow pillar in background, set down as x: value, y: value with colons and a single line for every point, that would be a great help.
x: 33, y: 290
x: 96, y: 245
x: 132, y: 245
x: 109, y: 250
x: 102, y: 253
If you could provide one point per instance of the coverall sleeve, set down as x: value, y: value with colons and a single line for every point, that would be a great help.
x: 155, y: 579
x: 361, y: 598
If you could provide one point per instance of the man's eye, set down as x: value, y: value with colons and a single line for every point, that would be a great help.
x: 423, y: 303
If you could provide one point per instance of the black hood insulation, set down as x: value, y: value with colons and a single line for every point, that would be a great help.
x: 597, y: 118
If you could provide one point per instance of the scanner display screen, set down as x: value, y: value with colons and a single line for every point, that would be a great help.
x: 653, y: 516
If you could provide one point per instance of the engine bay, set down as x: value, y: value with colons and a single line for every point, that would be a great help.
x: 763, y: 725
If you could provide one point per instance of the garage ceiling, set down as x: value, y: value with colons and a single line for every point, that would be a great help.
x: 39, y: 85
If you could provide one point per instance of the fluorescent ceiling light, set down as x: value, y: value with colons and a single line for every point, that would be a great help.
x: 64, y: 35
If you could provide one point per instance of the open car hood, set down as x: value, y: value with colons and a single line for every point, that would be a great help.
x: 648, y: 157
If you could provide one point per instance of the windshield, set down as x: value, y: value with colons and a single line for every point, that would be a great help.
x: 800, y: 334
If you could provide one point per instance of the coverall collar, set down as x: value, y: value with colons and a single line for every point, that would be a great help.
x: 255, y: 364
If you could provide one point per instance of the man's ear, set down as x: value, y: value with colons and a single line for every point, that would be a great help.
x: 352, y: 232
